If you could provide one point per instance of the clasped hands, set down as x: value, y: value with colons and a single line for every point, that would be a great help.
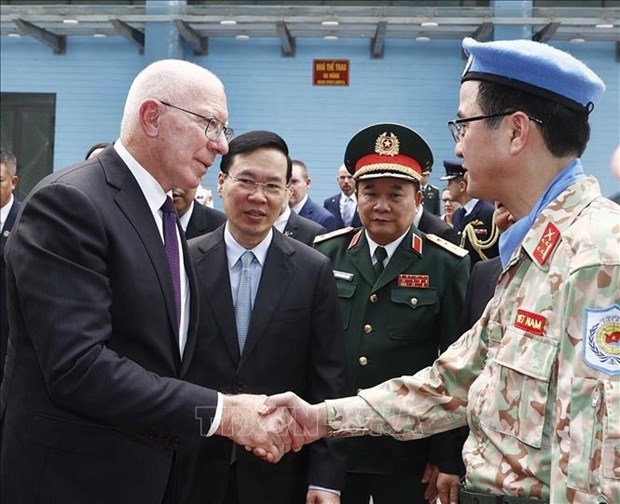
x: 272, y: 426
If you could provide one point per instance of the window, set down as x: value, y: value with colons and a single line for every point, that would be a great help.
x: 27, y: 130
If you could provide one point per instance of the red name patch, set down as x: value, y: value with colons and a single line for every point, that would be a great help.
x: 415, y: 281
x: 530, y: 322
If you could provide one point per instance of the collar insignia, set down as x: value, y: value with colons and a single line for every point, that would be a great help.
x: 547, y: 243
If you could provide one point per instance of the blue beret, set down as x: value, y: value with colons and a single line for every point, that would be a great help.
x: 536, y: 68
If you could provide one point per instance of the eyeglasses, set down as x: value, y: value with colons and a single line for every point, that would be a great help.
x: 250, y: 186
x: 214, y: 127
x: 458, y: 126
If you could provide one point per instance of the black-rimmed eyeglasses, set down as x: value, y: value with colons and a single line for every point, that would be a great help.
x: 214, y: 127
x: 250, y: 186
x: 458, y: 126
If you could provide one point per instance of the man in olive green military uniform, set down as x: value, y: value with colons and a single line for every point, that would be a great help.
x: 401, y: 294
x: 430, y: 193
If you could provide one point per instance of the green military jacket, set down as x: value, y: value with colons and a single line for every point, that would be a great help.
x: 431, y: 200
x: 395, y: 325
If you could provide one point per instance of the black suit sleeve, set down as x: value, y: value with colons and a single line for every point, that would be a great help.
x: 60, y: 261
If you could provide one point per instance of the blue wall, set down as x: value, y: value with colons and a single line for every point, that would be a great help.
x: 415, y: 84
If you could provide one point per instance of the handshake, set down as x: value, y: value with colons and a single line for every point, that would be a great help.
x: 272, y: 426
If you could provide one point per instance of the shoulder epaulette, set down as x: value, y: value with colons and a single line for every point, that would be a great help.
x: 333, y: 234
x: 450, y: 247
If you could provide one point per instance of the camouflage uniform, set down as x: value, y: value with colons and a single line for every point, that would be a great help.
x: 538, y: 377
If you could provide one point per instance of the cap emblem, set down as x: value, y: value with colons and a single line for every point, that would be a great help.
x: 387, y: 144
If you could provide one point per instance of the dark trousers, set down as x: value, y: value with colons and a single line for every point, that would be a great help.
x: 232, y: 494
x: 401, y: 489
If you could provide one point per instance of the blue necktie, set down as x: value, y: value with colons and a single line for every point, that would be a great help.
x: 243, y: 306
x: 347, y: 214
x: 171, y: 244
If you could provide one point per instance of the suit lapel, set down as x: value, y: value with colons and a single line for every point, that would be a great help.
x: 275, y: 277
x: 192, y: 326
x: 214, y: 283
x: 132, y: 203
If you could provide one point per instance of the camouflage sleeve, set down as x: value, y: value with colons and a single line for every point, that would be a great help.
x: 412, y: 407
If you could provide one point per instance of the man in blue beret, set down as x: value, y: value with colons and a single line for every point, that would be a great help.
x: 537, y: 378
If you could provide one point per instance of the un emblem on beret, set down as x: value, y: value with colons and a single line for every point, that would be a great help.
x: 387, y: 144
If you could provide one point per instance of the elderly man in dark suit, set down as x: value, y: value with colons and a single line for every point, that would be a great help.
x: 103, y: 312
x: 289, y: 336
x: 195, y: 219
x: 9, y: 208
x: 343, y: 205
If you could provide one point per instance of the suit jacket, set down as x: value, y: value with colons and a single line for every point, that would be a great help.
x: 431, y: 199
x: 294, y: 342
x: 395, y: 326
x: 478, y: 222
x: 431, y: 224
x: 332, y: 204
x: 203, y: 220
x: 4, y: 324
x: 317, y: 213
x: 302, y: 229
x: 92, y: 402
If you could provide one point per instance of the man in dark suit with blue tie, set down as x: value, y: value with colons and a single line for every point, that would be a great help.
x: 9, y: 208
x: 102, y: 330
x: 343, y: 205
x: 286, y: 335
x: 300, y: 202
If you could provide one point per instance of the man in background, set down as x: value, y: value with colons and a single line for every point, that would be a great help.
x: 9, y: 208
x: 294, y: 226
x: 195, y: 219
x: 430, y: 192
x: 343, y: 205
x: 474, y: 220
x: 300, y: 202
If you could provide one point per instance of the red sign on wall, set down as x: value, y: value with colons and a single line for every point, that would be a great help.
x: 330, y: 73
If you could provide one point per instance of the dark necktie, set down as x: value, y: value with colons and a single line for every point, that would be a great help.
x: 171, y: 243
x: 380, y: 255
